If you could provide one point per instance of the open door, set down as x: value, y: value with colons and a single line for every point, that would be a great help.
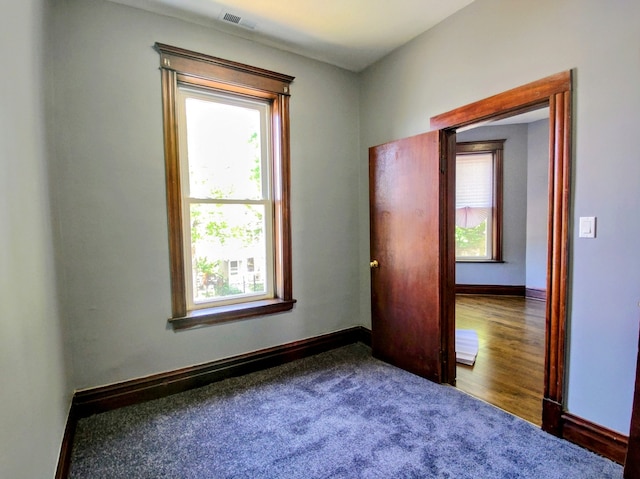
x: 412, y: 256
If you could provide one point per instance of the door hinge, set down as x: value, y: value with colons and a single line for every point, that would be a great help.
x: 443, y: 163
x: 443, y: 356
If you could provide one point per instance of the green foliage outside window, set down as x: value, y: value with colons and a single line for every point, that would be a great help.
x: 471, y: 242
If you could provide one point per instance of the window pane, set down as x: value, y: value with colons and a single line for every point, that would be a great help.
x: 224, y: 150
x: 474, y: 205
x: 472, y: 242
x: 223, y: 238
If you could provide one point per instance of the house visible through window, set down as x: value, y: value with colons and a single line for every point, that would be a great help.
x: 226, y: 136
x: 479, y: 201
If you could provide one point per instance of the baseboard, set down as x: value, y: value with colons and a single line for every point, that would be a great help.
x: 596, y: 438
x: 364, y: 336
x: 536, y: 293
x: 64, y: 459
x: 96, y: 400
x: 552, y: 417
x: 491, y: 289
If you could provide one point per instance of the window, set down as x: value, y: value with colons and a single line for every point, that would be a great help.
x: 479, y: 201
x: 226, y: 137
x: 226, y: 195
x: 233, y: 270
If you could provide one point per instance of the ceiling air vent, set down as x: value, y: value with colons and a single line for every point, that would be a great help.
x: 228, y: 17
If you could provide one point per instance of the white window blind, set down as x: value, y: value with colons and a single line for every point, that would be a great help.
x: 474, y: 189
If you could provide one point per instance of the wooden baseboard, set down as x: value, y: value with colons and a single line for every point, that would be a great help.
x: 535, y: 293
x: 502, y: 290
x: 96, y: 400
x: 364, y: 336
x: 64, y: 459
x: 552, y: 417
x: 596, y: 438
x: 491, y: 289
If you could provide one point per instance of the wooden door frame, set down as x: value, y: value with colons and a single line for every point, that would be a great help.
x: 555, y: 92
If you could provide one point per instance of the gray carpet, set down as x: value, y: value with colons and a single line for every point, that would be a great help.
x: 340, y: 414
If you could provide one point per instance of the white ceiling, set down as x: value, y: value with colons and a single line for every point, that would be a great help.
x: 351, y: 34
x: 528, y: 117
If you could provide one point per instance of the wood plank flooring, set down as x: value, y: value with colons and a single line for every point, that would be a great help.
x: 509, y: 369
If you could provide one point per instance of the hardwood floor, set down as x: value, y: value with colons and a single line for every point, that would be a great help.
x: 509, y: 368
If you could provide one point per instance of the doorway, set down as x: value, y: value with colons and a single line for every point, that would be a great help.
x: 501, y: 261
x: 554, y: 92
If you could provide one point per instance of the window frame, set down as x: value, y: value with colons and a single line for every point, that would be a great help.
x: 183, y: 67
x: 496, y: 149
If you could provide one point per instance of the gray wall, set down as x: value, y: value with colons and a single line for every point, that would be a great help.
x: 537, y: 203
x: 492, y: 46
x: 109, y: 183
x: 512, y: 271
x: 34, y: 390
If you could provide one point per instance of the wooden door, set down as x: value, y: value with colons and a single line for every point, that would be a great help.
x: 412, y: 274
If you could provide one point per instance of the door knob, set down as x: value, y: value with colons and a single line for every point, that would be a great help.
x: 374, y: 264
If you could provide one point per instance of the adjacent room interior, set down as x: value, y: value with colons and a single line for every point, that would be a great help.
x: 509, y: 324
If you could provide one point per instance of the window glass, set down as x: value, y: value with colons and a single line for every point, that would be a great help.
x: 225, y: 165
x: 220, y: 233
x: 224, y: 149
x: 474, y: 204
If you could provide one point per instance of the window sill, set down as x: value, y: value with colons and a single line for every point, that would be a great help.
x: 231, y: 312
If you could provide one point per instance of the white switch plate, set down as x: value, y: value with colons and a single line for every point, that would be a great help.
x: 587, y: 227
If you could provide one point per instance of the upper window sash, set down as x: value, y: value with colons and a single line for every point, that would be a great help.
x: 261, y: 106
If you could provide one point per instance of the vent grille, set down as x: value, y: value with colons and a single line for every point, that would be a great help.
x: 236, y: 20
x: 230, y: 17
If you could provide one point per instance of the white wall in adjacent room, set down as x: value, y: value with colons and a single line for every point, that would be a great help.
x: 537, y: 204
x: 514, y: 215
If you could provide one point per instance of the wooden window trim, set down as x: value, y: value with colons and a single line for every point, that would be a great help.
x: 184, y: 67
x: 496, y: 147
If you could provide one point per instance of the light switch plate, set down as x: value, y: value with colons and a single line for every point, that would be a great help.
x: 587, y: 227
